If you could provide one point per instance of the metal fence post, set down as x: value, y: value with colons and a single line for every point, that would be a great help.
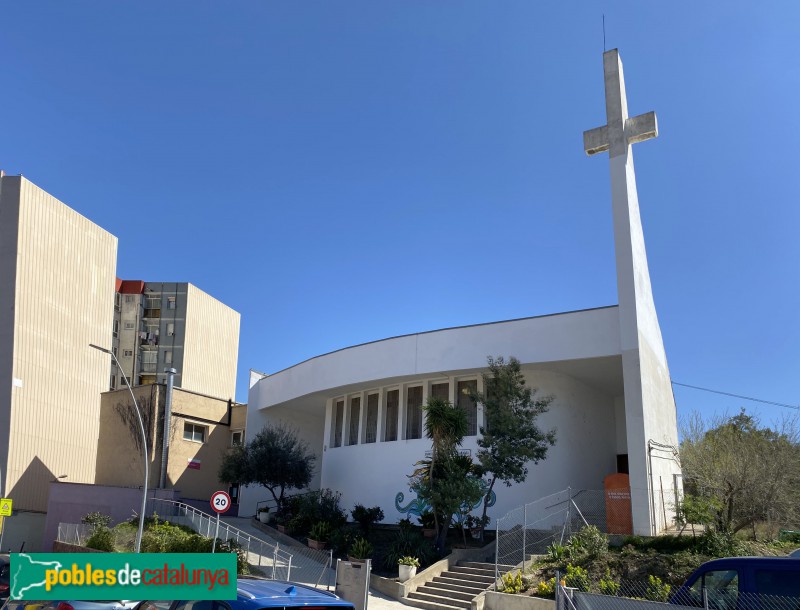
x: 524, y: 534
x: 496, y: 552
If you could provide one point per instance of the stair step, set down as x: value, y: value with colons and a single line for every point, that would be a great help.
x: 432, y: 589
x: 458, y: 582
x: 502, y: 567
x: 437, y: 599
x: 476, y: 564
x: 472, y: 571
x: 465, y: 577
x: 456, y: 585
x: 428, y: 605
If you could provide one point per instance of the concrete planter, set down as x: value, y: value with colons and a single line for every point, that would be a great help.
x: 317, y: 545
x: 264, y: 517
x: 406, y: 572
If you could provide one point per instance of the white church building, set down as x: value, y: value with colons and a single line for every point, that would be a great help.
x: 360, y: 408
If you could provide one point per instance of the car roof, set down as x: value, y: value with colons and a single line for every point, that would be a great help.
x: 738, y: 561
x: 289, y: 593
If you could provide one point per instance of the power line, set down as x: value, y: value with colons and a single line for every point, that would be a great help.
x: 766, y: 402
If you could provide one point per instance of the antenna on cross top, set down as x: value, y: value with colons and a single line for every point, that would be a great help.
x: 604, y: 32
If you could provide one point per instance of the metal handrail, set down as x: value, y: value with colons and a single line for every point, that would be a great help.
x: 205, y: 524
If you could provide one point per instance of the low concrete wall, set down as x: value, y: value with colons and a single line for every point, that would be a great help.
x: 504, y: 601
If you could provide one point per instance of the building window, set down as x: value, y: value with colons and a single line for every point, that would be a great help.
x: 355, y: 415
x: 440, y: 391
x: 194, y: 432
x: 116, y: 328
x: 414, y: 412
x: 127, y: 353
x: 113, y: 384
x: 129, y: 325
x: 116, y: 301
x: 470, y: 407
x: 170, y: 329
x: 170, y: 302
x: 237, y: 438
x: 392, y: 406
x: 338, y: 422
x: 371, y: 432
x: 168, y: 357
x: 129, y: 298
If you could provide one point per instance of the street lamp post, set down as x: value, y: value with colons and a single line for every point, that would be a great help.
x: 144, y: 446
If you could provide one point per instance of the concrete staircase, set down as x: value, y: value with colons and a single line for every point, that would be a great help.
x: 456, y: 588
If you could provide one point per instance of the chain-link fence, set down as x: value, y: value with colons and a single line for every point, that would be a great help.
x: 652, y: 594
x: 530, y: 529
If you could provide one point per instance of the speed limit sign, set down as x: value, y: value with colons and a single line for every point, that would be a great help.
x: 220, y: 501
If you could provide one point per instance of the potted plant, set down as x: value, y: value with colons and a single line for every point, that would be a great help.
x: 282, y: 522
x: 319, y: 535
x: 428, y: 522
x: 360, y: 551
x: 263, y: 514
x: 476, y: 525
x: 407, y: 567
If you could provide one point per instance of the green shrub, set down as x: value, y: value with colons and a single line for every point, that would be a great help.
x: 408, y: 561
x: 321, y: 531
x: 427, y: 520
x: 340, y: 540
x: 719, y: 544
x: 556, y: 552
x: 657, y: 591
x: 513, y: 583
x: 408, y: 542
x: 102, y: 539
x: 361, y: 549
x: 366, y: 517
x: 310, y: 508
x: 589, y: 542
x: 577, y: 577
x: 96, y: 519
x: 546, y: 588
x: 609, y: 586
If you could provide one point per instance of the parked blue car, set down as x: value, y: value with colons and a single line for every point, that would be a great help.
x: 743, y: 583
x: 255, y: 594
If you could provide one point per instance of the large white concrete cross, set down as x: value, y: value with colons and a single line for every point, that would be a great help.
x: 619, y: 131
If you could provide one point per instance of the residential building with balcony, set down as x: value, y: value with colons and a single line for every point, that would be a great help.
x: 161, y: 325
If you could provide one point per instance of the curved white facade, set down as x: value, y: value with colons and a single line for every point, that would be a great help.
x: 575, y: 357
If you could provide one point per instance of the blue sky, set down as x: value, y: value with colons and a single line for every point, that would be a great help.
x: 340, y: 172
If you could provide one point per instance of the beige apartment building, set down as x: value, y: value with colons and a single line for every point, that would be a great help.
x: 58, y: 294
x: 201, y: 429
x: 161, y: 325
x: 57, y: 272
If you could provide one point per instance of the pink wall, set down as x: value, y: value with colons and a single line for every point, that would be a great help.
x: 69, y: 502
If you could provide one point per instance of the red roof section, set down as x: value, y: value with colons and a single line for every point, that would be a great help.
x: 130, y: 286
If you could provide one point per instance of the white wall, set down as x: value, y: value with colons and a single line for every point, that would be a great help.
x: 585, y: 452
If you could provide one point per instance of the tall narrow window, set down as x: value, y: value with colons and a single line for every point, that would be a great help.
x: 168, y: 357
x: 355, y: 414
x: 392, y: 406
x: 371, y: 433
x: 469, y: 406
x: 170, y: 329
x: 170, y: 302
x: 338, y: 422
x: 440, y: 391
x: 414, y: 413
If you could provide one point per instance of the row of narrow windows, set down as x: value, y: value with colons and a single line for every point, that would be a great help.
x: 391, y: 416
